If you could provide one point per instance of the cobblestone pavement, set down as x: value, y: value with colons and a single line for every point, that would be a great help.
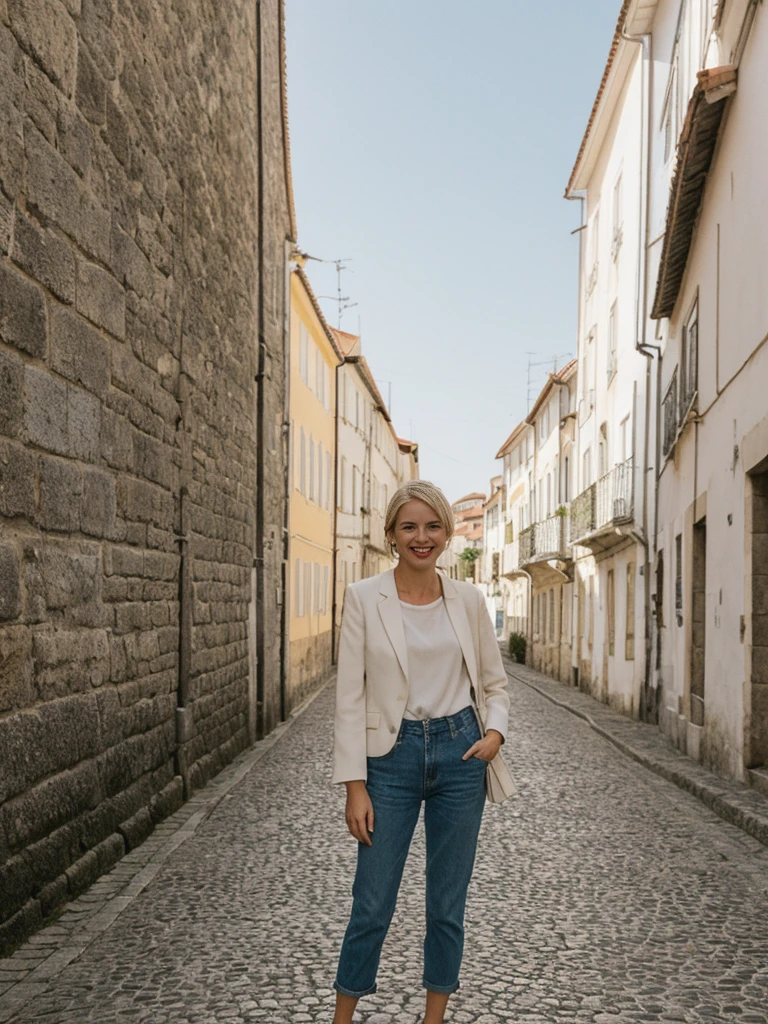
x: 603, y: 894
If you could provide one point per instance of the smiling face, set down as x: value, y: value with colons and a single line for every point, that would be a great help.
x: 419, y: 536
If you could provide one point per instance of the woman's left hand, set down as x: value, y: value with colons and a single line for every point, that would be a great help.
x: 487, y: 747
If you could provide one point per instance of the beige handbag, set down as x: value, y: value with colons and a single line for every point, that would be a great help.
x: 499, y: 784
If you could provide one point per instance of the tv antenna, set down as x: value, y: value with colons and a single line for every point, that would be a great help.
x: 342, y: 301
x: 552, y: 361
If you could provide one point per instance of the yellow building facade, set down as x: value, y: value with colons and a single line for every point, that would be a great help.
x: 314, y: 358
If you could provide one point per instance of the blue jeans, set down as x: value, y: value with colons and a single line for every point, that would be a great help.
x: 425, y: 764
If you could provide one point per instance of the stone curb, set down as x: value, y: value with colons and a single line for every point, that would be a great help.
x: 27, y: 973
x: 737, y: 804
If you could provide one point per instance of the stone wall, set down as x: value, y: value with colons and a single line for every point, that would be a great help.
x: 143, y: 223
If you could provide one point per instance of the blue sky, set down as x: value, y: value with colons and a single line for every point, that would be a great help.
x: 431, y: 144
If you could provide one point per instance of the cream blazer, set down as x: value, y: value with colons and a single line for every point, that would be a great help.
x: 372, y: 670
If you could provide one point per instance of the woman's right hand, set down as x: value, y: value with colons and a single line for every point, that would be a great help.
x: 359, y: 812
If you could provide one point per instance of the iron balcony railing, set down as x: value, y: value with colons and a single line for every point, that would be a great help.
x: 583, y: 518
x: 609, y: 501
x: 546, y: 539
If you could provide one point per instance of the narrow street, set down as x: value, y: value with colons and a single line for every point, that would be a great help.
x: 603, y: 894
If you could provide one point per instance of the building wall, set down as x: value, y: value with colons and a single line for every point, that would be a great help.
x: 611, y: 408
x: 129, y: 281
x: 313, y: 431
x: 351, y: 468
x: 608, y: 641
x: 712, y: 476
x: 550, y: 650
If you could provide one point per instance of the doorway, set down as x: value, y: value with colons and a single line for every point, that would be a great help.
x: 698, y: 620
x: 757, y: 756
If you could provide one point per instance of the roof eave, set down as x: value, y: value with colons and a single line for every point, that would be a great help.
x: 696, y: 149
x: 635, y: 17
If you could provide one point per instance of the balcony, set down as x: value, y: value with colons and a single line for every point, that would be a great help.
x: 544, y: 542
x: 679, y: 402
x: 603, y: 506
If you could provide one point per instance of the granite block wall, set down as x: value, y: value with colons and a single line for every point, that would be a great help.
x: 144, y: 213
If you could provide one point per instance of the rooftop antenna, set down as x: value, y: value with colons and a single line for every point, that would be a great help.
x: 342, y: 301
x: 533, y: 365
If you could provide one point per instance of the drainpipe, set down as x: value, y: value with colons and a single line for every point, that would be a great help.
x: 335, y: 545
x: 258, y: 559
x: 288, y: 449
x: 581, y: 195
x: 648, y: 709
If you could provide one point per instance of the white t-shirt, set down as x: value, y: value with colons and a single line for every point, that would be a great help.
x: 439, y: 683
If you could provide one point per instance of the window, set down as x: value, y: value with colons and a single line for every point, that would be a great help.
x: 552, y: 616
x: 629, y: 640
x: 543, y: 616
x: 342, y: 502
x: 303, y: 463
x: 625, y: 439
x: 355, y: 491
x: 617, y: 218
x: 586, y: 469
x: 612, y: 341
x: 566, y: 480
x: 328, y: 472
x: 316, y: 597
x: 312, y: 494
x: 319, y: 376
x: 299, y: 590
x: 689, y: 360
x: 611, y: 597
x: 509, y: 533
x: 324, y: 591
x: 544, y: 425
x: 669, y: 414
x: 303, y: 353
x: 320, y: 467
x: 593, y: 251
x: 308, y: 587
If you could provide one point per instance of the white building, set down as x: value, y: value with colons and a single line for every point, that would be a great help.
x: 371, y: 464
x: 709, y: 283
x: 544, y: 547
x: 671, y: 519
x: 615, y: 411
x: 514, y: 582
x: 490, y: 579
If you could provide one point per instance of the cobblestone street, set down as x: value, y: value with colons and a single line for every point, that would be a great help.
x: 602, y: 894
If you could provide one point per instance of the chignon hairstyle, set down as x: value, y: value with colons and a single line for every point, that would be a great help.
x: 426, y: 492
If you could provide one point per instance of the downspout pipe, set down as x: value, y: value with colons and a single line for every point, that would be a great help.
x: 648, y: 707
x: 581, y: 195
x: 260, y: 404
x: 338, y: 377
x: 288, y: 449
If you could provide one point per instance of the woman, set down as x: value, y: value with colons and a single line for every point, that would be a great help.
x: 414, y: 649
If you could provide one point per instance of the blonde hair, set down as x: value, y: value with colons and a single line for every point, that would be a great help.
x: 426, y: 492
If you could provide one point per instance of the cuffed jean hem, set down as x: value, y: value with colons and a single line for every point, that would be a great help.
x: 444, y: 990
x: 353, y: 995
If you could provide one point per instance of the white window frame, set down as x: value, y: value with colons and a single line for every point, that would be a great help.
x: 303, y: 464
x: 613, y: 330
x: 299, y: 590
x: 304, y: 353
x: 312, y: 493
